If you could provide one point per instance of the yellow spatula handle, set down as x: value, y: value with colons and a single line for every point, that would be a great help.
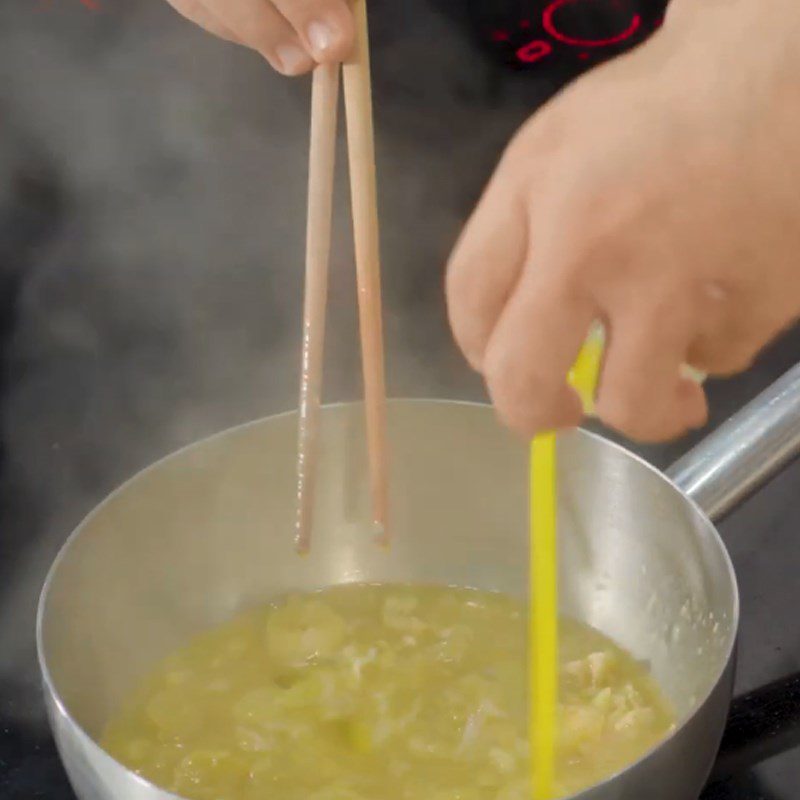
x: 584, y: 374
x: 543, y: 616
x: 543, y: 612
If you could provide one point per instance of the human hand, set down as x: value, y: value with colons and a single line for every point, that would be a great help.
x: 293, y: 35
x: 659, y: 194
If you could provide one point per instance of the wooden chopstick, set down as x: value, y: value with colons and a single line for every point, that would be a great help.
x: 321, y: 164
x: 361, y: 152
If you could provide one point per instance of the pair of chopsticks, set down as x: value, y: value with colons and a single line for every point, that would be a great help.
x: 322, y: 157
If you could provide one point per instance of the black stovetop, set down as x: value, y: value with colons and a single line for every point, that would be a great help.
x: 151, y: 215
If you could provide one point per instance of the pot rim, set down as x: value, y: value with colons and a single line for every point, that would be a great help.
x: 99, y: 752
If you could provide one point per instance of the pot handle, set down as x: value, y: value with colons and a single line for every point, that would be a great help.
x: 745, y: 452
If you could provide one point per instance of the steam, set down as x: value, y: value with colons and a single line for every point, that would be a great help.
x: 160, y: 295
x: 162, y: 302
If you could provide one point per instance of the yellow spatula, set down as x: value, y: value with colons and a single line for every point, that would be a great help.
x: 543, y: 612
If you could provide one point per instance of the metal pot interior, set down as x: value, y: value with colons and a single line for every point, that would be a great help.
x: 208, y: 531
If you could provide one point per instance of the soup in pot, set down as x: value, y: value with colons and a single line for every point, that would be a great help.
x: 393, y: 691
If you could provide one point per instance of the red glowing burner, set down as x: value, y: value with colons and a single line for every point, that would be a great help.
x: 550, y: 26
x: 564, y: 30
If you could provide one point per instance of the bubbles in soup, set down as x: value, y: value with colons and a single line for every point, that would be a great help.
x: 365, y: 691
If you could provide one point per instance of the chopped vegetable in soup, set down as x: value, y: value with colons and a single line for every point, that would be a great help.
x: 380, y: 691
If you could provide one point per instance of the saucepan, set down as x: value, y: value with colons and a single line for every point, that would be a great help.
x: 208, y: 531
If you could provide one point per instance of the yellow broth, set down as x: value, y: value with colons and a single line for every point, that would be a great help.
x: 365, y: 691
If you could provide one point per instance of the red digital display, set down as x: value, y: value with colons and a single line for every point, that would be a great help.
x: 579, y: 31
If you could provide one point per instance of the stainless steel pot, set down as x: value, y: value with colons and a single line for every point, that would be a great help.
x: 208, y: 531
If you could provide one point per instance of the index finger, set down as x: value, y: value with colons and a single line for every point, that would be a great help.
x: 485, y: 266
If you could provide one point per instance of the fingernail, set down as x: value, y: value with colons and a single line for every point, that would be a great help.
x: 320, y: 37
x: 293, y: 59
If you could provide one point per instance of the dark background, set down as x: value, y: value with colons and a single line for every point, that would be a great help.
x: 152, y: 193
